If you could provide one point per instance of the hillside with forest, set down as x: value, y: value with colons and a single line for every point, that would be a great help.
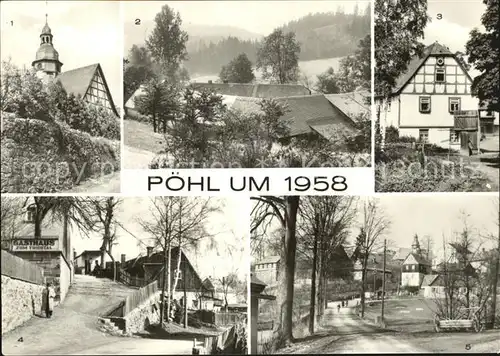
x: 321, y: 36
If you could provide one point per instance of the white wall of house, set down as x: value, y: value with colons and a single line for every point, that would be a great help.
x: 412, y: 279
x: 405, y: 110
x: 434, y: 292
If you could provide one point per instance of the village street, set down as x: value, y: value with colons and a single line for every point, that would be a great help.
x: 73, y: 329
x: 109, y: 183
x: 345, y: 332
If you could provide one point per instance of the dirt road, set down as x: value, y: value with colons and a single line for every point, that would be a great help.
x: 345, y: 332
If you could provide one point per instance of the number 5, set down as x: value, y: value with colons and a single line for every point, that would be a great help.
x: 468, y: 346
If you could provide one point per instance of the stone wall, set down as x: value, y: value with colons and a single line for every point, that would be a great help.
x: 144, y: 315
x: 20, y: 301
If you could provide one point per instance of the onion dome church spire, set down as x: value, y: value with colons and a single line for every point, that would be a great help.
x: 415, y: 247
x: 47, y: 58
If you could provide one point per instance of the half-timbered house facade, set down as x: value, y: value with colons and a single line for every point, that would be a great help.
x: 427, y: 96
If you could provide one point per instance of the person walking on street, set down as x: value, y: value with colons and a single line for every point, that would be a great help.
x: 50, y: 294
x: 338, y: 308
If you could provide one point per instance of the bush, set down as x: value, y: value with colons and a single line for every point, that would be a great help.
x: 42, y: 157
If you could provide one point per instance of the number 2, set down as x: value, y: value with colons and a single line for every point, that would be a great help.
x: 137, y: 21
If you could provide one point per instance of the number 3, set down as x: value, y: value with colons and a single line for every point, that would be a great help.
x: 439, y: 16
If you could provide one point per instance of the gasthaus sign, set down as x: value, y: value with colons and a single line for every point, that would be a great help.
x: 46, y: 243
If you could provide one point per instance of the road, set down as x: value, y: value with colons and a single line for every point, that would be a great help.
x: 74, y: 325
x: 345, y: 332
x: 109, y: 183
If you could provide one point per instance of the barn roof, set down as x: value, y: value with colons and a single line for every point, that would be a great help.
x: 351, y: 104
x: 429, y: 279
x: 305, y: 114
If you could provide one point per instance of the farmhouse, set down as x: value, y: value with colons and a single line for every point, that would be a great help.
x: 87, y: 82
x: 427, y: 97
x: 149, y: 268
x: 51, y: 250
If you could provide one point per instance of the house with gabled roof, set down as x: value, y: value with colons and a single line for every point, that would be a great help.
x: 426, y: 98
x: 414, y: 266
x: 87, y: 82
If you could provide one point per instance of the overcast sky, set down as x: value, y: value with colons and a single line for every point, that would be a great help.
x: 230, y: 227
x: 84, y: 33
x: 260, y: 17
x: 429, y: 214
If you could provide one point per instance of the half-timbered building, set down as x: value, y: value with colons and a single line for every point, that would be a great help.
x: 89, y: 82
x: 425, y: 99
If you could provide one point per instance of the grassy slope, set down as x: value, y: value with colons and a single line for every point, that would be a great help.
x: 140, y: 135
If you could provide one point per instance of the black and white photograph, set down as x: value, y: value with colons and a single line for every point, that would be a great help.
x: 93, y: 275
x: 61, y: 96
x: 364, y: 274
x: 436, y: 96
x: 247, y: 84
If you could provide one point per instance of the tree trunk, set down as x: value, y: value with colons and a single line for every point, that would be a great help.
x: 291, y: 207
x: 169, y: 266
x: 494, y: 287
x: 312, y: 307
x: 185, y: 295
x: 177, y: 270
x: 38, y: 227
x: 319, y: 295
x: 114, y: 263
x: 363, y: 286
x: 162, y: 309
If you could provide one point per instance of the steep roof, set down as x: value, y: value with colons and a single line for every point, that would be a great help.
x: 401, y: 253
x: 77, y: 81
x: 420, y: 260
x: 351, y: 104
x: 435, y: 49
x: 254, y: 90
x: 429, y: 279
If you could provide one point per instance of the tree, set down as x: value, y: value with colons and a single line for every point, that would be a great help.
x: 180, y: 221
x: 398, y: 27
x: 483, y: 49
x: 228, y: 283
x: 284, y: 210
x: 374, y: 225
x: 239, y: 70
x: 188, y: 139
x: 325, y: 223
x: 160, y: 102
x: 11, y: 211
x: 167, y: 41
x: 327, y: 82
x: 137, y: 70
x: 278, y: 57
x: 23, y: 93
x: 103, y: 213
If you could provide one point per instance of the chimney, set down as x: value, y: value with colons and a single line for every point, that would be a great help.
x: 209, y: 82
x: 150, y: 251
x: 122, y: 258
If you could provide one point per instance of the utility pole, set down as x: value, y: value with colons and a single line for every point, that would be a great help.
x: 383, y: 279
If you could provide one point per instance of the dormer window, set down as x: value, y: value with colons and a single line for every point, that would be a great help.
x: 440, y: 75
x: 30, y: 213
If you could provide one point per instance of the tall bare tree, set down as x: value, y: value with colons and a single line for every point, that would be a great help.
x: 11, y: 212
x: 102, y: 211
x: 180, y: 221
x: 374, y: 225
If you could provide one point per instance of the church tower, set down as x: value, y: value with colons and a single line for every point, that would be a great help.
x: 47, y: 58
x: 415, y: 247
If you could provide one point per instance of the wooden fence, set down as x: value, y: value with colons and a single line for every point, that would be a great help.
x: 16, y: 267
x: 228, y: 318
x: 126, y: 278
x: 140, y: 296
